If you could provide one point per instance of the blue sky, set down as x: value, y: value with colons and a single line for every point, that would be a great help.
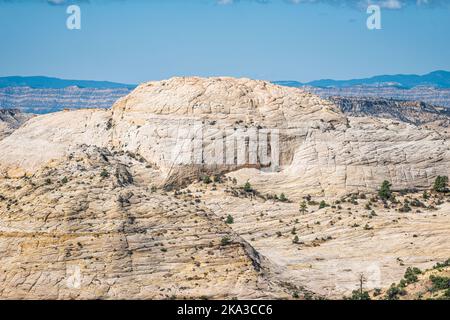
x: 135, y: 41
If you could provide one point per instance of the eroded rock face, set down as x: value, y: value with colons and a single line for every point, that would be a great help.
x: 10, y: 120
x: 83, y: 211
x: 412, y: 112
x: 75, y: 230
x: 317, y: 148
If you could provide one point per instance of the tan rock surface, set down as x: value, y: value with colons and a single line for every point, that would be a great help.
x: 82, y: 191
x: 125, y: 240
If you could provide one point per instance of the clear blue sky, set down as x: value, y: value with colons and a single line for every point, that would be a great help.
x: 135, y: 41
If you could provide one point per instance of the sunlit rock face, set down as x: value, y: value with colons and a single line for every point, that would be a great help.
x: 86, y: 212
x: 290, y: 137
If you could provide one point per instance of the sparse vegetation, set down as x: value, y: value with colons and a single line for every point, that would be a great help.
x: 104, y: 174
x: 440, y: 283
x: 394, y: 292
x: 442, y: 265
x: 206, y: 179
x: 230, y: 219
x: 225, y: 241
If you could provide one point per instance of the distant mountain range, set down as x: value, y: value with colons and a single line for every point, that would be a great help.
x: 45, y: 94
x: 39, y: 82
x: 436, y: 79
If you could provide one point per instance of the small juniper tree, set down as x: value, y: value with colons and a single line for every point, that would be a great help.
x: 230, y: 219
x: 248, y: 187
x: 385, y: 192
x: 283, y: 197
x: 295, y: 240
x: 440, y: 184
x: 322, y: 204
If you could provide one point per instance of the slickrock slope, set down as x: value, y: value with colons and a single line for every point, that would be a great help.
x: 92, y: 227
x: 353, y: 235
x: 10, y: 120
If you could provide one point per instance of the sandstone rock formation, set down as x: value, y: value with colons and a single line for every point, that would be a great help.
x: 79, y: 230
x: 319, y: 149
x: 92, y: 203
x: 10, y: 120
x: 412, y: 112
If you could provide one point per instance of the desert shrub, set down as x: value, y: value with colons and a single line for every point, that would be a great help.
x: 295, y: 240
x: 283, y: 198
x: 442, y: 265
x: 358, y: 295
x: 394, y: 291
x: 64, y: 180
x: 230, y: 219
x: 322, y: 204
x: 411, y: 275
x: 417, y: 203
x: 104, y: 174
x: 225, y: 241
x: 248, y: 187
x: 440, y: 283
x: 405, y: 208
x: 206, y: 179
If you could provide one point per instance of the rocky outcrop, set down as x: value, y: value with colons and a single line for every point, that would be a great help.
x: 430, y: 95
x: 179, y: 124
x: 75, y: 230
x: 10, y: 120
x: 412, y: 112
